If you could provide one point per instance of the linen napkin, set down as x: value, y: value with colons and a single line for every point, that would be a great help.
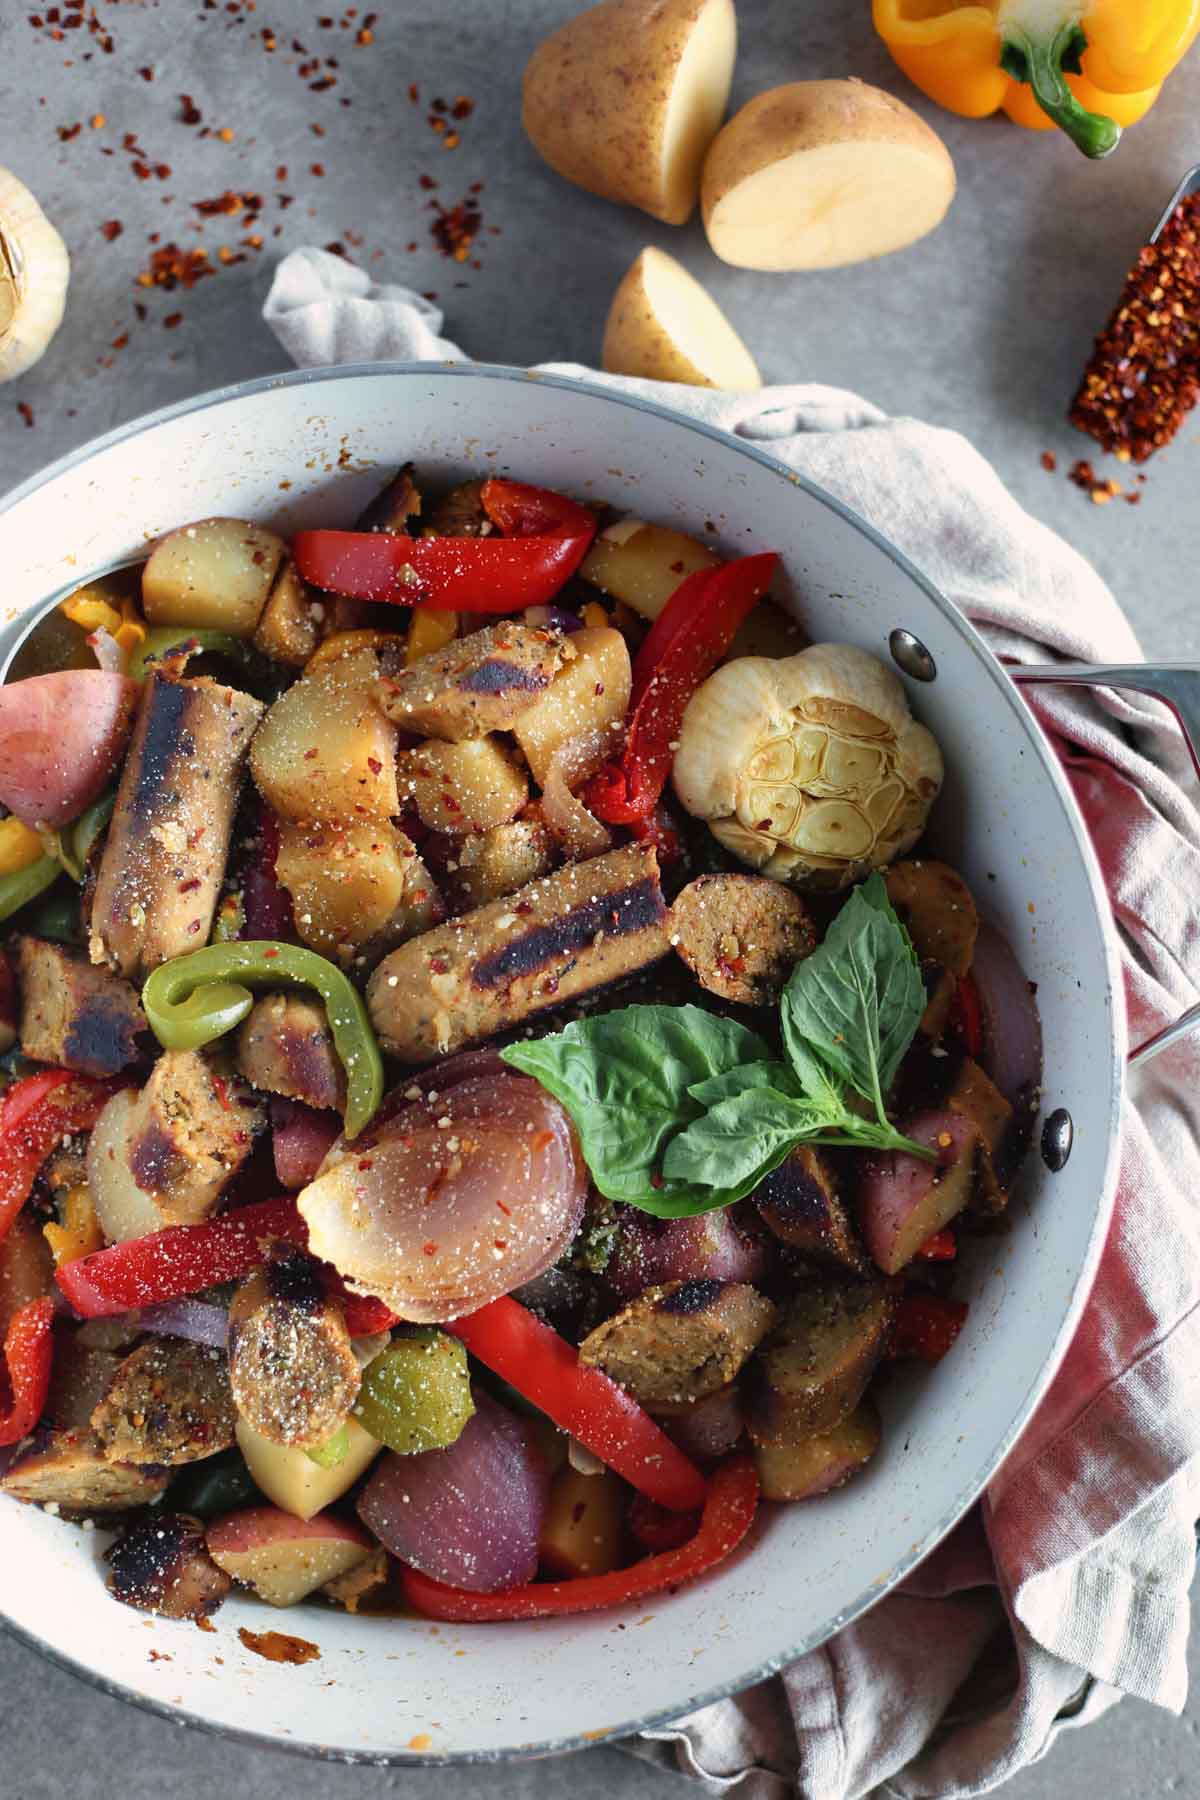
x: 1068, y: 1585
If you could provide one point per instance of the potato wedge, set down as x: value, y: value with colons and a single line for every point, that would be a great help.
x: 589, y: 694
x: 289, y: 628
x: 124, y: 1209
x: 500, y: 861
x: 938, y: 909
x: 583, y: 1531
x: 289, y: 1476
x: 903, y: 1201
x: 818, y: 174
x: 324, y: 751
x: 216, y: 573
x: 663, y: 326
x: 815, y: 1365
x: 816, y: 1465
x: 469, y: 786
x: 284, y: 1559
x: 643, y: 564
x: 624, y: 99
x: 355, y: 884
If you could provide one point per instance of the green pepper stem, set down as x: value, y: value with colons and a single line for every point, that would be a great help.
x: 1040, y: 62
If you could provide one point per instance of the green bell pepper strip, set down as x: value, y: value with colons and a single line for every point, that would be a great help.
x: 199, y: 997
x: 73, y: 842
x: 163, y: 638
x: 332, y: 1452
x: 24, y: 885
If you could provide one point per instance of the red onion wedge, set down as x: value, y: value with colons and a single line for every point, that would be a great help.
x: 1012, y: 1041
x: 456, y: 1201
x: 714, y: 1246
x: 709, y: 1428
x: 200, y: 1321
x: 471, y: 1514
x: 903, y: 1200
x: 301, y: 1138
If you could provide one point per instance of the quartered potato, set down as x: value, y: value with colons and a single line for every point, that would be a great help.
x: 289, y: 1476
x: 643, y: 564
x: 289, y: 627
x: 352, y: 883
x: 468, y: 786
x: 589, y: 694
x: 324, y: 750
x: 216, y: 573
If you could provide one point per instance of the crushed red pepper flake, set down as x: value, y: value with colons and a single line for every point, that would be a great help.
x: 454, y: 228
x: 172, y: 320
x: 111, y: 229
x: 189, y: 112
x: 1143, y: 377
x: 1049, y: 461
x: 26, y: 412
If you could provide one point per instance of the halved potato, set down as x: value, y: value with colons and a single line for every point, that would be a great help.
x: 324, y: 750
x: 216, y: 573
x: 284, y: 1559
x: 663, y: 326
x: 469, y: 786
x: 903, y: 1201
x: 624, y: 99
x: 124, y: 1209
x: 583, y: 1531
x: 643, y: 564
x: 817, y: 174
x: 589, y: 694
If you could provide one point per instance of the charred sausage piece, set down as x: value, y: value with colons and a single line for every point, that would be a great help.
x: 80, y: 1377
x: 799, y: 1203
x: 73, y: 1014
x: 289, y: 629
x: 189, y: 1131
x: 285, y: 1047
x: 164, y: 859
x: 813, y: 1369
x: 460, y: 512
x: 170, y: 1402
x: 584, y: 926
x: 499, y: 861
x: 479, y: 683
x: 937, y: 906
x: 8, y: 1005
x: 351, y: 1589
x: 678, y: 1343
x: 741, y: 935
x: 70, y: 1470
x: 292, y: 1365
x: 161, y: 1565
x: 941, y: 988
x: 393, y: 506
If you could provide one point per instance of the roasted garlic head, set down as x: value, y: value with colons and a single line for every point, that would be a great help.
x: 810, y: 767
x: 34, y: 268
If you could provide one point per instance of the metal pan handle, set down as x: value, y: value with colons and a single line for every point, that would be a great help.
x: 1177, y: 685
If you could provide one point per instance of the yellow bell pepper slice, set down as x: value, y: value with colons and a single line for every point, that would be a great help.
x: 78, y: 1232
x: 20, y: 846
x: 427, y: 632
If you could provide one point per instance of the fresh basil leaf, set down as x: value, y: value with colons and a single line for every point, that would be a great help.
x: 775, y: 1075
x: 740, y: 1139
x: 856, y: 1002
x: 624, y: 1078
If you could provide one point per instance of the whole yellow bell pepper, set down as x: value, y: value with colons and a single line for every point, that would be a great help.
x: 1088, y: 68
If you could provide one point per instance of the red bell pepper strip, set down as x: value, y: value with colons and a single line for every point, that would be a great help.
x: 544, y: 539
x: 35, y: 1115
x: 364, y: 1314
x: 925, y: 1326
x: 180, y: 1260
x: 546, y: 1369
x: 728, y: 1514
x: 686, y: 642
x: 966, y: 1016
x: 941, y: 1247
x: 28, y: 1352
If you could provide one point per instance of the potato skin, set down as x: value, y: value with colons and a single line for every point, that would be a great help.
x: 636, y: 342
x: 595, y: 96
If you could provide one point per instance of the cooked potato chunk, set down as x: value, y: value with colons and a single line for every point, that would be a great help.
x: 124, y: 1210
x: 355, y: 885
x: 589, y: 694
x: 285, y: 1047
x: 937, y: 906
x: 501, y: 860
x: 289, y: 629
x: 216, y: 573
x: 289, y: 1476
x: 169, y: 1402
x: 462, y: 787
x: 482, y: 682
x: 816, y: 1465
x: 643, y: 564
x: 324, y: 750
x: 680, y: 1342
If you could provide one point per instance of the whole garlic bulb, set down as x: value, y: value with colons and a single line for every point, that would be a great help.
x: 34, y: 271
x: 810, y: 767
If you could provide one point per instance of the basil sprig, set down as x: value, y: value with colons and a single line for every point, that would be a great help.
x: 680, y: 1112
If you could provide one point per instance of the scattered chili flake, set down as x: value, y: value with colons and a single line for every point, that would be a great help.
x: 426, y: 181
x: 365, y: 36
x: 1143, y: 377
x: 414, y: 93
x: 97, y: 121
x: 146, y: 72
x: 451, y: 141
x: 119, y: 343
x: 317, y: 130
x: 281, y: 172
x: 279, y: 1646
x: 170, y: 267
x: 111, y: 229
x: 67, y: 132
x: 1049, y: 461
x: 463, y: 107
x: 454, y: 228
x: 26, y: 412
x: 225, y: 135
x: 316, y: 169
x: 189, y: 112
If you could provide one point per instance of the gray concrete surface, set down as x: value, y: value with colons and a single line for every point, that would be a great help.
x: 983, y: 327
